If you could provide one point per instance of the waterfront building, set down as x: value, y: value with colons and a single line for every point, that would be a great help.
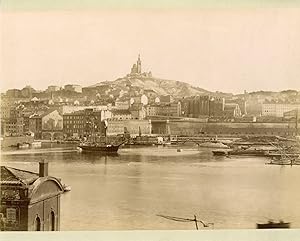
x: 170, y: 109
x: 29, y: 201
x: 203, y: 105
x: 73, y: 88
x: 198, y: 106
x: 46, y: 125
x: 83, y: 123
x: 232, y: 110
x: 216, y: 106
x: 277, y: 109
x: 241, y: 102
x: 291, y: 115
x: 13, y: 126
x: 132, y: 127
x: 12, y: 121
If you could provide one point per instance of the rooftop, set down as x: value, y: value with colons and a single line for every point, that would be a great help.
x: 14, y: 176
x: 120, y: 112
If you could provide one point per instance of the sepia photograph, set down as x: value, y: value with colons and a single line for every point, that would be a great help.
x: 140, y: 116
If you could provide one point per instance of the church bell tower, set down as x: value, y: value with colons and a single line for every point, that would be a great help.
x: 139, y: 65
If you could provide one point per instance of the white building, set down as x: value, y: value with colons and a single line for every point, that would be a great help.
x: 277, y: 109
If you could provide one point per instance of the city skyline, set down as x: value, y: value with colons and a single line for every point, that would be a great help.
x: 229, y: 50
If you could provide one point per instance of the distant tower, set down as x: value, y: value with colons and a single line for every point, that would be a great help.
x: 137, y: 68
x: 139, y: 65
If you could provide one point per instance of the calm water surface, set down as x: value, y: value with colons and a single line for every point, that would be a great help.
x: 129, y: 190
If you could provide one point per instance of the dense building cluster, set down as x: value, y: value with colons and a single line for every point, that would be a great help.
x: 76, y: 111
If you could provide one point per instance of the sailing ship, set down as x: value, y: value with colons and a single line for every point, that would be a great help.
x: 94, y: 147
x: 282, y: 158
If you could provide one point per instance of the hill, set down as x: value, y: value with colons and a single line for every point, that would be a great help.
x: 177, y: 89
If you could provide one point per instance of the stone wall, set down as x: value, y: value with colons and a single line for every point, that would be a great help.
x: 194, y: 128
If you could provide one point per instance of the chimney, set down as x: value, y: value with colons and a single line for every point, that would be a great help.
x: 43, y: 168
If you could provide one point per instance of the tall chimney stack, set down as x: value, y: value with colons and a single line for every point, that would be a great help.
x: 43, y: 168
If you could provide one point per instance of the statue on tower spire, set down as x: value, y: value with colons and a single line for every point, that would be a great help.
x: 139, y: 65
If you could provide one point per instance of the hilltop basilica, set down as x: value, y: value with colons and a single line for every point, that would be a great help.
x: 136, y: 70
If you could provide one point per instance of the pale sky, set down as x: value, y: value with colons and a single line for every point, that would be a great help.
x: 225, y: 49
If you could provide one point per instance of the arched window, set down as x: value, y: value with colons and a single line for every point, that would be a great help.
x: 52, y: 221
x: 37, y: 224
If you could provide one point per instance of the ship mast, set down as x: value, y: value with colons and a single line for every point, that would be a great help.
x: 297, y: 121
x: 105, y: 131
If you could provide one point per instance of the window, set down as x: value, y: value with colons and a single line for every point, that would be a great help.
x: 52, y: 221
x: 37, y: 224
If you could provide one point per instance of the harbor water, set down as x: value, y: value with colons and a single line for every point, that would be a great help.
x: 128, y: 191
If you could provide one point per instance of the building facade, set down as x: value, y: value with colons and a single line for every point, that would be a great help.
x: 46, y: 125
x: 132, y: 127
x: 170, y: 109
x: 74, y: 88
x: 232, y: 110
x: 120, y: 114
x: 278, y: 109
x: 83, y: 123
x: 53, y: 88
x: 12, y: 126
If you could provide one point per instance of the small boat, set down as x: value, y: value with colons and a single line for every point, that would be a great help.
x: 220, y: 152
x: 23, y: 145
x: 67, y: 188
x: 36, y: 144
x: 272, y: 224
x: 284, y: 161
x: 248, y: 152
x: 213, y: 144
x: 166, y: 143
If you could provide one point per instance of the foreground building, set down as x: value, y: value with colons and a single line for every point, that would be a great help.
x: 29, y: 201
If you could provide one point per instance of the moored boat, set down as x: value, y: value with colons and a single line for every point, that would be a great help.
x: 214, y: 144
x: 23, y: 145
x: 67, y: 188
x: 94, y: 147
x: 272, y: 224
x: 36, y: 144
x: 103, y: 148
x: 248, y: 152
x: 220, y: 152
